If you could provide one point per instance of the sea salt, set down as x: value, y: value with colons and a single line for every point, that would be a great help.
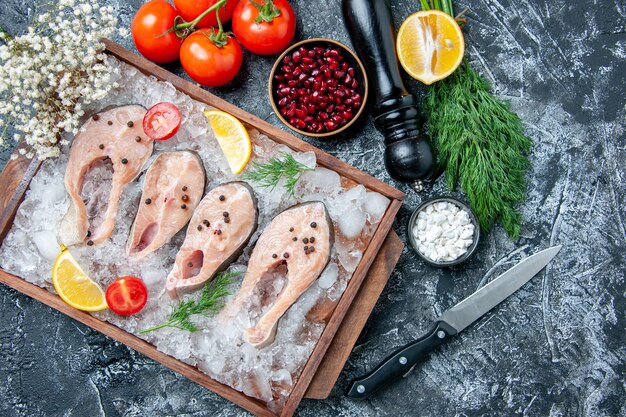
x: 443, y: 231
x: 218, y: 349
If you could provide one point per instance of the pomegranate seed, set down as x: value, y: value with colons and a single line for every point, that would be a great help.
x: 330, y: 108
x: 300, y: 124
x: 284, y: 91
x: 300, y: 113
x: 351, y: 71
x: 286, y: 60
x: 333, y: 64
x: 315, y: 72
x: 355, y: 84
x: 283, y: 102
x: 345, y: 66
x: 340, y: 108
x: 311, y: 108
x: 357, y: 104
x: 330, y: 125
x: 293, y: 121
x: 279, y: 78
x: 347, y: 115
x: 348, y: 101
x: 338, y: 74
x: 297, y: 57
x: 292, y: 83
x: 323, y: 116
x: 307, y: 60
x: 347, y: 80
x: 318, y: 50
x: 308, y: 119
x: 291, y: 109
x: 334, y: 53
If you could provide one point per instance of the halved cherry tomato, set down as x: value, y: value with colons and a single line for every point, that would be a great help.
x: 264, y: 27
x: 162, y: 121
x: 126, y: 295
x: 150, y: 32
x: 208, y: 64
x: 190, y: 9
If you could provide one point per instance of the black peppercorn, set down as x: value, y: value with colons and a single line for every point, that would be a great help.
x: 295, y: 239
x: 185, y: 188
x: 225, y: 214
x: 183, y: 206
x: 226, y: 220
x: 101, y: 146
x: 189, y: 264
x: 219, y: 232
x: 306, y: 248
x: 285, y: 255
x: 312, y: 240
x: 124, y: 161
x: 199, y: 227
x: 305, y: 241
x: 130, y: 124
x: 185, y: 197
x: 95, y: 117
x: 206, y: 223
x: 222, y: 198
x: 138, y: 139
x: 274, y: 256
x: 88, y: 233
x: 90, y: 243
x: 313, y: 225
x: 110, y: 123
x: 312, y: 249
x: 291, y: 229
x: 148, y: 200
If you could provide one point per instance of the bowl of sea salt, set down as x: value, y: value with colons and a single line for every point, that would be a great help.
x: 443, y: 231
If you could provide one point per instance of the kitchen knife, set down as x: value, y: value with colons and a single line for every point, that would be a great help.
x: 401, y: 362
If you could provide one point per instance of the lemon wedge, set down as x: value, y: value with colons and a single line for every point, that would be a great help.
x: 430, y: 45
x: 74, y: 286
x: 232, y: 137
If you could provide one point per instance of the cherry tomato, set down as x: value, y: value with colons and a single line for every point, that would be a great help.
x: 265, y: 37
x: 162, y: 121
x: 149, y: 28
x: 126, y: 295
x: 207, y: 63
x: 190, y: 9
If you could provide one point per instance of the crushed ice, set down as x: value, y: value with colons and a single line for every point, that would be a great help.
x: 269, y: 373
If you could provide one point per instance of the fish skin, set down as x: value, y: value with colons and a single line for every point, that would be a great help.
x: 163, y: 185
x: 302, y: 269
x: 215, y: 251
x: 119, y: 143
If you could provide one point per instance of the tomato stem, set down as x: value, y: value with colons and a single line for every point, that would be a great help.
x: 267, y: 11
x: 191, y: 25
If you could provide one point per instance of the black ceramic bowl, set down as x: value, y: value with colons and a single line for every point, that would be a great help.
x: 470, y: 250
x: 348, y: 55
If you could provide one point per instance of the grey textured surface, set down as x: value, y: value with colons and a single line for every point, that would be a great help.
x: 556, y: 347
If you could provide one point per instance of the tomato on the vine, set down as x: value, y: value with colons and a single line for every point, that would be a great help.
x: 150, y: 28
x: 126, y: 295
x: 190, y: 9
x: 211, y: 59
x: 264, y: 27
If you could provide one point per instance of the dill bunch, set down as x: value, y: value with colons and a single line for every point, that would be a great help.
x: 481, y: 145
x: 209, y: 304
x: 269, y: 174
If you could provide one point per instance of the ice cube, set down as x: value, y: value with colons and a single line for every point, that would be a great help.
x: 47, y: 245
x: 329, y: 276
x: 375, y: 206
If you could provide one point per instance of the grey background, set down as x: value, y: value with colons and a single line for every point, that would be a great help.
x: 554, y: 348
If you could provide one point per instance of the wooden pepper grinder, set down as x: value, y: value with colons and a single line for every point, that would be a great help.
x: 408, y: 154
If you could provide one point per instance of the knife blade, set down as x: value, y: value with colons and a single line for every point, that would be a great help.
x: 452, y: 321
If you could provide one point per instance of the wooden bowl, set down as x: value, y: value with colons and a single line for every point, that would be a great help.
x: 348, y: 55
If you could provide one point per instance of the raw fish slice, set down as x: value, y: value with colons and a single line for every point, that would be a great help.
x: 108, y: 138
x: 281, y: 269
x: 218, y: 232
x: 172, y: 189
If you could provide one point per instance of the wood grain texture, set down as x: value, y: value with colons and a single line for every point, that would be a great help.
x: 17, y: 175
x: 356, y: 317
x: 14, y: 182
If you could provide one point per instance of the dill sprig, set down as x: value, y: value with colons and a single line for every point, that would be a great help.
x: 269, y: 174
x: 481, y: 145
x: 209, y: 304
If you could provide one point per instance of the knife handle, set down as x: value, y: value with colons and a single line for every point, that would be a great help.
x: 400, y: 362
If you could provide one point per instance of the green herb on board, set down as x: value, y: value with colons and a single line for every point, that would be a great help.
x: 269, y: 174
x: 209, y: 304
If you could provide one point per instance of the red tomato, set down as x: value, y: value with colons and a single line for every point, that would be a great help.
x: 149, y: 28
x: 207, y: 63
x: 190, y: 9
x: 265, y: 37
x: 126, y: 295
x: 162, y: 121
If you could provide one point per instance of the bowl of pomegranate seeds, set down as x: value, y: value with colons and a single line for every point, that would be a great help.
x: 318, y: 87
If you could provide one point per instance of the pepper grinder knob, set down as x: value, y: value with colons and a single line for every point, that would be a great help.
x: 408, y: 154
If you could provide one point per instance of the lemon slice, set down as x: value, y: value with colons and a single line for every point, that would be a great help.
x: 232, y: 137
x: 430, y: 45
x: 74, y: 286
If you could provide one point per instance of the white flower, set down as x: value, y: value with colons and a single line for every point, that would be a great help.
x: 45, y: 74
